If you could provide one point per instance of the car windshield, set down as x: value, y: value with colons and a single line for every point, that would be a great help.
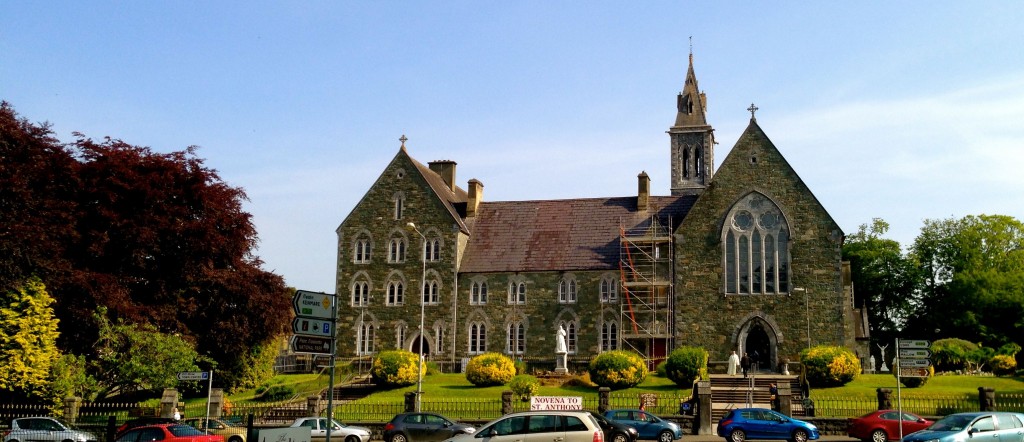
x: 66, y: 424
x: 338, y: 425
x: 184, y: 430
x: 951, y: 423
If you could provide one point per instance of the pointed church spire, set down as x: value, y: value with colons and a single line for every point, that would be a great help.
x: 691, y: 103
x: 693, y: 140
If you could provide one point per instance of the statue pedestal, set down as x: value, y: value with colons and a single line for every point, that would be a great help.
x: 561, y: 363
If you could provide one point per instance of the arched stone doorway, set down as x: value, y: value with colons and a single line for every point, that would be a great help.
x: 417, y: 342
x: 757, y: 337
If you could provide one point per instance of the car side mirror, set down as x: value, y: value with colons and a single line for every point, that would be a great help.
x: 920, y: 421
x: 972, y: 431
x: 492, y: 433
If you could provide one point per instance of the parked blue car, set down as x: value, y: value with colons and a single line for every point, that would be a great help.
x: 759, y: 423
x: 983, y: 426
x: 647, y: 425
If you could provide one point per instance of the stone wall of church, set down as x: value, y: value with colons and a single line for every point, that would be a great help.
x: 374, y: 216
x: 705, y: 316
x: 540, y: 314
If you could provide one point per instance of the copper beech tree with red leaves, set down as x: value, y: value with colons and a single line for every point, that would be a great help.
x: 155, y: 238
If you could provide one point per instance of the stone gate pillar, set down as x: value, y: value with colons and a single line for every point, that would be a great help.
x: 506, y: 402
x: 603, y: 395
x: 168, y: 402
x: 71, y: 406
x: 884, y: 398
x: 703, y: 417
x: 987, y: 398
x: 784, y: 398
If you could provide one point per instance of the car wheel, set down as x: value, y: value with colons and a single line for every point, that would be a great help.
x: 665, y: 436
x: 879, y: 436
x: 737, y: 435
x: 619, y: 437
x: 356, y: 439
x: 799, y: 436
x: 399, y: 437
x: 235, y: 439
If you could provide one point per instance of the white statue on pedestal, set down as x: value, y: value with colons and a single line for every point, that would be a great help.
x: 882, y: 348
x: 560, y: 347
x: 561, y: 361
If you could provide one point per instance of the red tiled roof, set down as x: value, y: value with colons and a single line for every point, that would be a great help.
x: 573, y: 234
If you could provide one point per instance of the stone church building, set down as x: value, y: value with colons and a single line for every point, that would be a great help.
x: 741, y: 258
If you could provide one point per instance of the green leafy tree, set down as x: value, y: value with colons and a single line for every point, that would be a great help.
x: 28, y: 342
x: 70, y: 377
x: 973, y: 279
x: 884, y: 279
x: 137, y: 357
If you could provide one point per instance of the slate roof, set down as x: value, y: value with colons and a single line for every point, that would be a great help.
x: 554, y: 235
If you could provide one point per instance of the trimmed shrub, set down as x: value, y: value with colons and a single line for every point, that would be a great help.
x: 1002, y: 365
x: 617, y: 369
x: 952, y: 354
x: 395, y: 368
x: 524, y: 386
x: 490, y: 369
x: 687, y: 364
x: 916, y: 382
x: 659, y: 370
x: 829, y: 366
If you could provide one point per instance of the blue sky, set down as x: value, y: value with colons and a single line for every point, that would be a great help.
x: 899, y: 110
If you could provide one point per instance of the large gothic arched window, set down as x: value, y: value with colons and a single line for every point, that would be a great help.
x: 755, y: 239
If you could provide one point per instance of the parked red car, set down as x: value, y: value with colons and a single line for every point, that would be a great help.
x: 167, y: 433
x: 884, y: 425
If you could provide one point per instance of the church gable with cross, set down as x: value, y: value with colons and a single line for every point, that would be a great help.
x: 741, y: 258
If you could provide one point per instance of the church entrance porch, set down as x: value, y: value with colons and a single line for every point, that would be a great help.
x: 758, y: 339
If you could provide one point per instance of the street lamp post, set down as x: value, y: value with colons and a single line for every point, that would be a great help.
x: 423, y: 302
x: 807, y: 307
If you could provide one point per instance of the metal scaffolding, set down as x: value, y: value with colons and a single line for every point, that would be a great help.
x: 647, y: 304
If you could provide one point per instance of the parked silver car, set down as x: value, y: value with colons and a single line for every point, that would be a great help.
x: 339, y: 431
x: 562, y: 426
x: 36, y: 429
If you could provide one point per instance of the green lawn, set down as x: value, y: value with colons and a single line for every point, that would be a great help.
x: 865, y: 386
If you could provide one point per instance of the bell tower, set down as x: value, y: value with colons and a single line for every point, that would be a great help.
x: 693, y: 140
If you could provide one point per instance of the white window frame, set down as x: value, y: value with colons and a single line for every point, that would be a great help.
x: 364, y: 339
x: 361, y: 251
x: 516, y: 293
x: 567, y: 290
x: 609, y: 336
x: 478, y: 293
x: 477, y: 338
x: 755, y: 248
x: 360, y: 294
x: 515, y: 338
x: 430, y: 292
x: 609, y: 290
x: 396, y: 293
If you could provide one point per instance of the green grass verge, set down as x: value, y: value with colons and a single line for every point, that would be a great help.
x: 938, y: 386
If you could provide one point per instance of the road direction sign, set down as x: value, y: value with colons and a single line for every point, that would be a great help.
x: 914, y: 353
x: 914, y: 343
x: 193, y: 375
x: 311, y: 327
x: 914, y: 372
x: 312, y: 304
x: 917, y: 363
x: 311, y: 344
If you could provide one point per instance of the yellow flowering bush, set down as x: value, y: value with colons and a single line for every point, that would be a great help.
x: 1003, y: 365
x: 490, y: 369
x: 618, y: 369
x: 395, y: 368
x: 829, y: 366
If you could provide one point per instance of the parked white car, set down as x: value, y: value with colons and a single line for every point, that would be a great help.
x: 39, y: 429
x: 339, y: 431
x: 563, y: 426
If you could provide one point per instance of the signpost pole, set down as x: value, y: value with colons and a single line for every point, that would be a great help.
x: 209, y: 394
x: 330, y: 388
x: 899, y: 396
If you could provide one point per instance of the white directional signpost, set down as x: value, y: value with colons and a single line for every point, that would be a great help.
x: 200, y: 376
x: 911, y: 362
x: 315, y: 325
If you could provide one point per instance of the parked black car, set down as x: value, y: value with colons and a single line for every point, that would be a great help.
x: 419, y: 427
x: 615, y: 431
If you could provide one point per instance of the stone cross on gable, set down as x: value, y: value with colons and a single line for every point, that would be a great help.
x: 403, y: 140
x: 752, y: 109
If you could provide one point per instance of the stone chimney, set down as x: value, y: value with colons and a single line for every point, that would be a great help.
x: 643, y: 192
x: 476, y: 194
x: 445, y: 168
